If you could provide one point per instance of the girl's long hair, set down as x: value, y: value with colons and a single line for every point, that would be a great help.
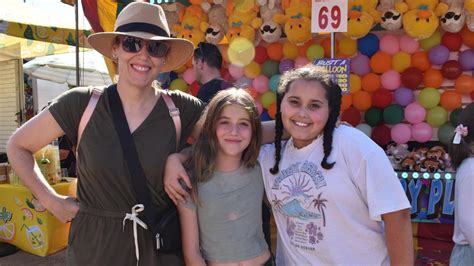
x: 203, y: 161
x: 459, y: 152
x: 333, y: 96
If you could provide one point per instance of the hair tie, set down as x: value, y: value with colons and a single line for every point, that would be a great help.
x: 461, y: 131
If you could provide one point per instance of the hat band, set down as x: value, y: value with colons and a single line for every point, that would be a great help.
x: 143, y: 27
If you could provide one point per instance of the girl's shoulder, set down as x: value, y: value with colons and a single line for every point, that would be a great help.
x: 351, y: 139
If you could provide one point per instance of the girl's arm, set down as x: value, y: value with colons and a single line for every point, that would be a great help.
x: 32, y: 136
x: 399, y: 237
x: 190, y: 236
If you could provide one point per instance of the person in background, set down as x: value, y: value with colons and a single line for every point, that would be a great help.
x: 66, y: 156
x: 221, y: 220
x: 104, y: 215
x: 207, y: 64
x: 461, y: 151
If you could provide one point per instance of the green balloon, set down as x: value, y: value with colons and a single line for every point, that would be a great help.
x: 268, y: 98
x: 315, y: 51
x: 373, y: 116
x: 446, y: 133
x: 270, y: 68
x: 437, y: 116
x: 179, y: 84
x: 429, y: 97
x: 454, y: 117
x: 393, y: 114
x: 431, y: 42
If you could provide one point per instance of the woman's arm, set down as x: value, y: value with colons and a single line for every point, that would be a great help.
x: 31, y: 137
x: 174, y: 172
x: 190, y: 236
x: 399, y: 237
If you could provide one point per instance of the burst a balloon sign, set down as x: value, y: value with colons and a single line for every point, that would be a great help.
x: 338, y: 70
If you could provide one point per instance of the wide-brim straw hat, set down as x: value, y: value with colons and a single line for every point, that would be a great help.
x: 146, y: 21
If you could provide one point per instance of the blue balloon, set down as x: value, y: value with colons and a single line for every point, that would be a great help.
x: 264, y: 116
x: 368, y: 45
x: 273, y: 82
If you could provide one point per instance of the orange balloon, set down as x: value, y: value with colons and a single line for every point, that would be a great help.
x: 361, y: 100
x: 450, y: 100
x: 326, y: 44
x: 380, y: 62
x: 420, y: 60
x: 346, y: 101
x: 303, y: 48
x: 467, y: 37
x: 371, y: 82
x: 275, y: 51
x: 189, y: 63
x: 464, y: 84
x: 224, y: 53
x: 272, y: 110
x: 253, y: 92
x: 433, y: 78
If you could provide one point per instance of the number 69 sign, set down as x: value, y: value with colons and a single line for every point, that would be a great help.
x: 329, y: 16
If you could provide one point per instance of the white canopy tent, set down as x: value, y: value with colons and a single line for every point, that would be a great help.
x: 61, y: 68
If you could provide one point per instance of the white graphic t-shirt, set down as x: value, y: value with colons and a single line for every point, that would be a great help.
x: 332, y: 216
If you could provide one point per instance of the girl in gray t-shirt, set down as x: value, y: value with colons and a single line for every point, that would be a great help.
x: 221, y: 223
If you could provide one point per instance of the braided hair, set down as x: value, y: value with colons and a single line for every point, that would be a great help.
x: 333, y: 96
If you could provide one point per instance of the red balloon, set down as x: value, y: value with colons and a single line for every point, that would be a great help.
x: 194, y: 88
x: 412, y: 77
x: 451, y: 69
x: 381, y: 135
x: 382, y: 98
x: 472, y: 95
x: 226, y: 75
x: 351, y: 116
x: 452, y: 41
x: 260, y: 54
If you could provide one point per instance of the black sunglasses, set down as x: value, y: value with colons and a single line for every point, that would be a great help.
x: 154, y: 48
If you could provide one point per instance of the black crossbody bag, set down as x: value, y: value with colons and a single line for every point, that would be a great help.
x: 164, y: 225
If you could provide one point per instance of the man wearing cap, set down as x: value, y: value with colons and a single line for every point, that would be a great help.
x: 207, y: 63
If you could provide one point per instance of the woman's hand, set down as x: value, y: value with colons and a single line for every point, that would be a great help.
x: 175, y: 179
x: 64, y: 208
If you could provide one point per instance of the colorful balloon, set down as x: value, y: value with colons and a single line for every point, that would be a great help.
x: 374, y: 116
x: 354, y: 83
x: 189, y: 76
x: 179, y: 84
x: 401, y: 61
x: 348, y: 46
x: 403, y: 96
x: 451, y: 69
x: 420, y: 60
x: 346, y: 101
x: 273, y: 82
x: 290, y: 50
x: 260, y: 54
x: 267, y: 98
x: 361, y: 100
x: 380, y: 62
x: 467, y: 37
x: 390, y: 80
x: 466, y: 59
x: 446, y: 134
x: 393, y: 114
x: 464, y: 84
x: 438, y: 55
x: 285, y: 65
x: 437, y: 116
x: 252, y: 70
x: 236, y: 71
x: 433, y: 78
x: 408, y: 44
x: 400, y: 133
x: 360, y: 64
x: 422, y: 132
x: 260, y: 84
x: 275, y: 51
x: 389, y: 44
x: 301, y: 61
x: 411, y: 77
x: 429, y: 97
x: 366, y: 129
x: 450, y: 100
x: 414, y: 113
x: 430, y: 42
x: 382, y: 98
x: 452, y: 41
x: 368, y: 45
x: 371, y: 82
x: 351, y: 116
x: 241, y: 51
x: 314, y: 52
x: 381, y: 135
x: 270, y: 68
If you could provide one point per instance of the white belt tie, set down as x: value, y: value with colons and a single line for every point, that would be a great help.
x: 134, y: 218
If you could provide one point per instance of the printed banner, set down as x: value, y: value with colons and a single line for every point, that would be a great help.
x: 339, y: 70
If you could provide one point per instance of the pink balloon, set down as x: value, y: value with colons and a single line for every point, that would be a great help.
x: 259, y: 107
x: 421, y: 132
x: 235, y: 71
x: 390, y: 80
x: 260, y: 84
x: 408, y: 44
x: 301, y: 61
x: 401, y: 133
x: 389, y: 44
x: 189, y: 76
x: 415, y: 113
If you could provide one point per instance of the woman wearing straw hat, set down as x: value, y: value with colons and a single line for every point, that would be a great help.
x: 142, y: 48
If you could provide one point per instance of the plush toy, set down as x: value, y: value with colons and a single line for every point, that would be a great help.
x: 391, y: 18
x: 429, y: 165
x: 453, y: 19
x: 421, y: 20
x: 408, y: 164
x: 469, y: 9
x: 217, y: 27
x: 296, y: 20
x: 269, y: 30
x: 396, y: 153
x: 193, y: 24
x: 437, y: 154
x: 172, y: 11
x: 362, y: 15
x: 243, y: 19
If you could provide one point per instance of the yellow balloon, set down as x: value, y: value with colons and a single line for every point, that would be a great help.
x: 181, y: 69
x: 290, y: 50
x: 252, y: 70
x: 241, y: 51
x: 355, y: 83
x: 347, y: 46
x: 401, y: 61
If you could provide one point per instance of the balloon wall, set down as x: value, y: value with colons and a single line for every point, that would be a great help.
x: 405, y: 85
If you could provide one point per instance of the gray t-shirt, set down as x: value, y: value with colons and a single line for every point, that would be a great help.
x: 230, y: 215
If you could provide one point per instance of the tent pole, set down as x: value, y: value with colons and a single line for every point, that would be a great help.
x: 76, y: 7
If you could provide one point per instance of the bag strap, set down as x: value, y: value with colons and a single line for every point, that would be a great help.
x: 86, y: 116
x: 174, y: 113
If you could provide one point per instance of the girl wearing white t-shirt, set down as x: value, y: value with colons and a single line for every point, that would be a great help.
x: 462, y: 157
x: 335, y: 197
